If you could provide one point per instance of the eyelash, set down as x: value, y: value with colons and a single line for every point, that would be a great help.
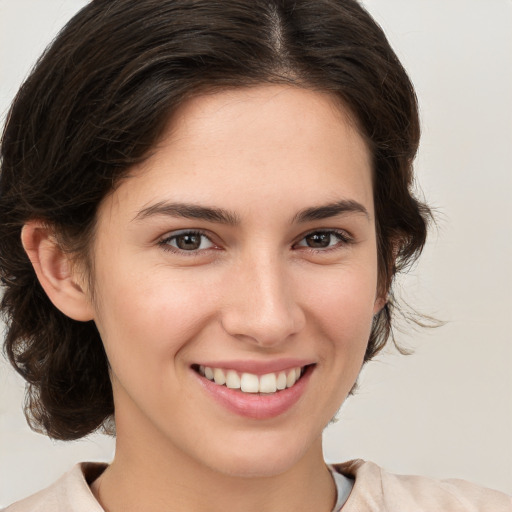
x: 165, y: 243
x: 343, y: 237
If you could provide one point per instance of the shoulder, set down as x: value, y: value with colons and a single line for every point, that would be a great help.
x: 376, y: 490
x: 70, y: 493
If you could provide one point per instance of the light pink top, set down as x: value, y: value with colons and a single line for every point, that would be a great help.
x: 374, y: 490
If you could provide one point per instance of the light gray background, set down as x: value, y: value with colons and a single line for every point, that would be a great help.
x: 447, y: 410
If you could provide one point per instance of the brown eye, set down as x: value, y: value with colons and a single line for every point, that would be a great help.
x: 318, y: 240
x: 188, y: 241
x: 324, y: 240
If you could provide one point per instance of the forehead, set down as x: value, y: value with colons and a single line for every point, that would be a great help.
x: 254, y: 145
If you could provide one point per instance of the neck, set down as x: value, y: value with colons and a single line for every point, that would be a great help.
x: 166, y: 479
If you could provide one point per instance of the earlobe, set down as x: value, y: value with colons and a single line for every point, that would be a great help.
x: 379, y: 304
x: 55, y: 271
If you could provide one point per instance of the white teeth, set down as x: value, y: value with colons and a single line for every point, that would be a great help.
x: 290, y: 379
x: 281, y: 381
x: 232, y: 380
x: 268, y: 383
x: 219, y: 377
x: 251, y: 383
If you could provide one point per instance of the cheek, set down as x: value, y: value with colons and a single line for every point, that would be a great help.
x: 342, y: 308
x: 343, y: 300
x: 145, y: 320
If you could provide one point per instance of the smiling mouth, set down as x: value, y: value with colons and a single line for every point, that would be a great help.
x: 251, y: 383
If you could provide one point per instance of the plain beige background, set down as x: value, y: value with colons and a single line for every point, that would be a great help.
x: 445, y: 411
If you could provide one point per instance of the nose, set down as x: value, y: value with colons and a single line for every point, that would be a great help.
x: 261, y: 306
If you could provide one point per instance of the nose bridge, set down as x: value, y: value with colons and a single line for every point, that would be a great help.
x: 262, y: 305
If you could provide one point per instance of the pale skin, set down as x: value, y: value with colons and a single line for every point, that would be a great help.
x: 285, y: 268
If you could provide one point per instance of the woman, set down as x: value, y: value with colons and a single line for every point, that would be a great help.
x: 204, y: 205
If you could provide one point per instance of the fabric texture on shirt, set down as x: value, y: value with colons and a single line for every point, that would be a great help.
x: 374, y: 490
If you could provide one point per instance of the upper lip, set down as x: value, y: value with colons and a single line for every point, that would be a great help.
x: 258, y: 367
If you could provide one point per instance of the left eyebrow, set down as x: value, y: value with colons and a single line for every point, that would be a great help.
x: 330, y: 210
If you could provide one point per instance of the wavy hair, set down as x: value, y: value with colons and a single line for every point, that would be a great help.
x: 98, y: 100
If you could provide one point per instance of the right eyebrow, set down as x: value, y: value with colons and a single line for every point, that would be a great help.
x: 189, y: 211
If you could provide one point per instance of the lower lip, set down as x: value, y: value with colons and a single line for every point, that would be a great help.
x: 255, y: 405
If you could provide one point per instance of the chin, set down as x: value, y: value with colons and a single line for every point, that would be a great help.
x: 260, y: 459
x: 260, y: 467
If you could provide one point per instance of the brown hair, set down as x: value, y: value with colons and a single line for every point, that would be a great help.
x: 98, y: 100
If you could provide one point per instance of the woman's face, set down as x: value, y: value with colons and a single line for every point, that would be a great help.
x: 244, y: 247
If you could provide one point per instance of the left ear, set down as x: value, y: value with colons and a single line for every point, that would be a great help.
x: 380, y: 302
x: 55, y: 271
x: 382, y: 296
